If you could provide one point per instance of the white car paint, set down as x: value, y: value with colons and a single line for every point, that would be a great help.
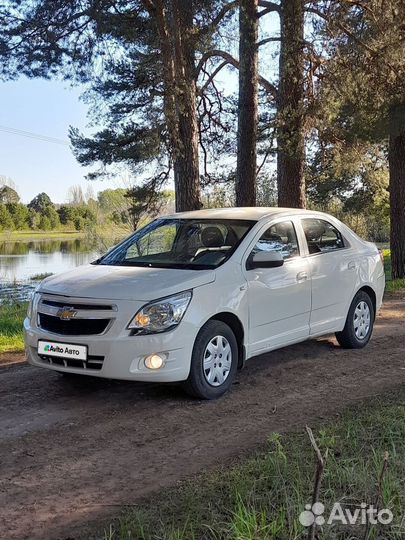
x: 308, y: 296
x: 124, y: 283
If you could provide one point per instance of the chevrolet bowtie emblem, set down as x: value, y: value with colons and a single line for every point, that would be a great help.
x: 66, y: 313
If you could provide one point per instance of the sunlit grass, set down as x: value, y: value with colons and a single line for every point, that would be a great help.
x: 11, y: 321
x: 391, y: 284
x: 29, y: 235
x: 41, y: 276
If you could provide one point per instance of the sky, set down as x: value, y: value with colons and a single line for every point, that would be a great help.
x: 46, y: 108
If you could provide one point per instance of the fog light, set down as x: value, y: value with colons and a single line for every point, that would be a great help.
x: 154, y: 361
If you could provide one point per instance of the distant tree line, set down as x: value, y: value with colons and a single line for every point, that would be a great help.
x: 41, y: 213
x: 329, y: 119
x: 111, y: 206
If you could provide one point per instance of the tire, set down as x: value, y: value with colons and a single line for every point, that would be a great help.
x: 359, y: 323
x: 209, y: 377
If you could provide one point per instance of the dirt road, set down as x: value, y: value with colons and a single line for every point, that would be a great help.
x: 74, y: 453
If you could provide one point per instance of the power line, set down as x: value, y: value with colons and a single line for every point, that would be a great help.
x: 30, y: 135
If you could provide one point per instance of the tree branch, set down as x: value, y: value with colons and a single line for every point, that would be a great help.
x: 350, y: 34
x: 267, y: 85
x: 361, y: 5
x: 318, y: 478
x: 269, y: 7
x: 268, y: 40
x: 218, y: 17
x: 343, y: 28
x: 213, y: 75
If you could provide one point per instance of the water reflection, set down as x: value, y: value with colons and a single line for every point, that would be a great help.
x: 20, y: 261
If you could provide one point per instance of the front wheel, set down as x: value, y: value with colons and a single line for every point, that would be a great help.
x: 359, y: 323
x: 214, y: 361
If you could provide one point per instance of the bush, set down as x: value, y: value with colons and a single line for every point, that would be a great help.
x: 6, y: 221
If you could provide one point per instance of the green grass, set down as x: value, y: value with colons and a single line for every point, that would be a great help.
x: 392, y: 285
x: 11, y: 320
x: 40, y: 277
x: 27, y: 236
x: 262, y: 497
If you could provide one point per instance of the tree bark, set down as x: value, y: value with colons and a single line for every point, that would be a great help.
x: 248, y: 104
x: 186, y: 162
x: 176, y: 38
x: 290, y: 107
x: 396, y: 160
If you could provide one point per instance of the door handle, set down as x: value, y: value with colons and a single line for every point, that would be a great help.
x: 302, y: 276
x: 351, y: 265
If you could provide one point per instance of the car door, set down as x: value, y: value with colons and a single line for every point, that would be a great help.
x: 279, y: 299
x: 332, y: 266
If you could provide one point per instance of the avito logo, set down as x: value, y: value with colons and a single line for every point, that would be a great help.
x: 53, y: 348
x: 363, y: 514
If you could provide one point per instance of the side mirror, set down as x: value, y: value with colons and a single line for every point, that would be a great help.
x: 265, y: 259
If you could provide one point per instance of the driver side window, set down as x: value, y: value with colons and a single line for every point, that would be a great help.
x: 280, y: 237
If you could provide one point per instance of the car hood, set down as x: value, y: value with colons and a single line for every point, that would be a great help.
x: 124, y: 282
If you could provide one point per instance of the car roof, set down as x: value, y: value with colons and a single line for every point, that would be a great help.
x: 248, y: 213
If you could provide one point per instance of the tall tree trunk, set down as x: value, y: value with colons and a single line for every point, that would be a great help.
x: 290, y: 107
x: 186, y: 163
x: 176, y: 39
x: 396, y: 160
x: 248, y: 104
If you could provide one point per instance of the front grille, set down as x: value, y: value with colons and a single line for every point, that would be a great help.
x: 93, y: 362
x: 72, y: 327
x: 87, y: 307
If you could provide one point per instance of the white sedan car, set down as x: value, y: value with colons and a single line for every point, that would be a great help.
x: 192, y: 296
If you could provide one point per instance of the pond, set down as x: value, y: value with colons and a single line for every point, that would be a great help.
x: 21, y: 263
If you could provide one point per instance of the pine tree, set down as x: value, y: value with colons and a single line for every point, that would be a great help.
x: 363, y: 79
x: 140, y: 60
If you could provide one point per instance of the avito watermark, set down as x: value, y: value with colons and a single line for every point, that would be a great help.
x: 361, y: 515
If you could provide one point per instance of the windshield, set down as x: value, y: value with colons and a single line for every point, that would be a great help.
x: 196, y: 244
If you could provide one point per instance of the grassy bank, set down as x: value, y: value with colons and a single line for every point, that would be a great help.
x: 30, y: 236
x: 262, y: 497
x: 11, y: 320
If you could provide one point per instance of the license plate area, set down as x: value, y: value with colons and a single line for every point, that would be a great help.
x: 68, y: 351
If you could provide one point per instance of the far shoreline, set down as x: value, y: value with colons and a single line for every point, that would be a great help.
x: 30, y: 236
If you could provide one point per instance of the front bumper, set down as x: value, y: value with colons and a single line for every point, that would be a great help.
x: 119, y: 355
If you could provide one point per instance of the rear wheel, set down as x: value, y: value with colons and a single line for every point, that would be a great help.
x: 213, y: 362
x: 359, y: 323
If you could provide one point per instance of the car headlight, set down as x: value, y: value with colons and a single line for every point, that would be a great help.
x: 161, y: 315
x: 32, y: 303
x: 29, y: 309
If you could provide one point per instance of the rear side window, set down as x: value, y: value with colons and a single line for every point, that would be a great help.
x: 279, y: 237
x: 322, y: 236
